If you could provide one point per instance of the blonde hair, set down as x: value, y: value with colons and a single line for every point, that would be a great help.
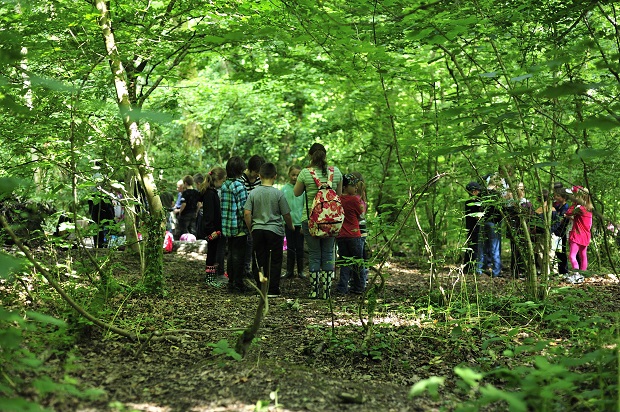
x: 217, y: 173
x: 584, y: 199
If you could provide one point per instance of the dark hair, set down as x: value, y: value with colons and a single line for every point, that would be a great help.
x: 471, y: 186
x: 544, y: 195
x: 294, y: 167
x: 561, y: 192
x: 268, y: 171
x: 255, y: 162
x: 198, y: 179
x: 235, y: 167
x: 188, y: 180
x: 217, y: 173
x: 318, y: 154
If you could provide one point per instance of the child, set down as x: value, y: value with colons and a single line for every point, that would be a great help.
x: 559, y: 228
x: 361, y: 191
x: 473, y: 212
x: 189, y: 208
x: 250, y: 179
x: 233, y: 197
x: 264, y: 210
x: 580, y: 235
x: 350, y: 241
x: 212, y: 220
x: 295, y: 237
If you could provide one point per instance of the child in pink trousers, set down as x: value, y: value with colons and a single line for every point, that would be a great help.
x: 580, y: 234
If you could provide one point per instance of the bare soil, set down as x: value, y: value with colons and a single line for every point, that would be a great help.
x: 307, y: 356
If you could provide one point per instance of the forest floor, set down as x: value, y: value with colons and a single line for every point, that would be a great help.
x: 304, y: 358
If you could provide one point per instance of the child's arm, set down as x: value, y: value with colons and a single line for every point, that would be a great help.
x: 247, y: 217
x: 299, y: 187
x: 288, y: 221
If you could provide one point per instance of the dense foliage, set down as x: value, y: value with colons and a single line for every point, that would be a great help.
x: 403, y: 92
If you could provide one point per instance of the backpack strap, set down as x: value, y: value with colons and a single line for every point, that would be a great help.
x: 330, y: 177
x: 330, y: 181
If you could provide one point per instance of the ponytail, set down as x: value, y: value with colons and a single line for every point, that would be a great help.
x: 217, y: 173
x: 318, y: 154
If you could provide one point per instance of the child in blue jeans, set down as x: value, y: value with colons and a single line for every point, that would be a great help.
x: 350, y: 240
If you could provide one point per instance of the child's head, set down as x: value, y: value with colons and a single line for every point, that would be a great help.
x: 214, y: 179
x: 268, y: 171
x: 474, y: 188
x: 293, y: 173
x: 188, y: 181
x: 180, y: 186
x: 198, y: 179
x: 560, y: 195
x: 235, y: 167
x: 582, y: 196
x: 349, y: 183
x: 254, y: 164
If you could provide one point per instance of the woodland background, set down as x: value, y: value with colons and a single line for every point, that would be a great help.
x: 420, y: 97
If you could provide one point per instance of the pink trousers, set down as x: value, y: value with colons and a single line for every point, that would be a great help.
x: 582, y: 251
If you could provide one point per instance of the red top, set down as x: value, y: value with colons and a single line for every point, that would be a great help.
x: 582, y: 225
x: 353, y: 209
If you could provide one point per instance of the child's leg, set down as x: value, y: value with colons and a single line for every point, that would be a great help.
x: 259, y: 255
x: 236, y: 261
x: 357, y: 282
x: 299, y: 250
x: 572, y: 256
x: 274, y: 260
x: 291, y: 251
x: 345, y: 268
x: 583, y: 257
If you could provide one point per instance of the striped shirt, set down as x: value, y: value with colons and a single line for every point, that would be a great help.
x: 232, y: 197
x: 249, y: 186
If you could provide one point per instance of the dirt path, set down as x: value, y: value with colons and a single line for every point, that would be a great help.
x: 296, y: 364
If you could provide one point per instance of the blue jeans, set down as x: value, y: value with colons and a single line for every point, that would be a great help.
x: 351, y: 248
x: 491, y: 249
x: 320, y: 251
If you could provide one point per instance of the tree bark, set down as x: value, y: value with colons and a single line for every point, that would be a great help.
x: 130, y: 118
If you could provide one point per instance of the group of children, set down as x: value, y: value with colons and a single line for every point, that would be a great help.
x: 570, y: 227
x: 245, y: 214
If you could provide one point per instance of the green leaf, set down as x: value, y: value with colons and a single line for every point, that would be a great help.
x: 489, y: 74
x: 522, y: 77
x: 568, y: 89
x: 20, y: 405
x: 450, y: 150
x: 592, y: 153
x: 8, y: 264
x: 469, y: 376
x: 8, y: 185
x: 601, y: 122
x: 431, y: 385
x: 45, y: 319
x: 478, y: 130
x: 492, y: 394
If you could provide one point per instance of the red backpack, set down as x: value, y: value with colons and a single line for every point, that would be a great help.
x: 327, y: 214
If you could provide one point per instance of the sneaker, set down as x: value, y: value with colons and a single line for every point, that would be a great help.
x: 575, y: 278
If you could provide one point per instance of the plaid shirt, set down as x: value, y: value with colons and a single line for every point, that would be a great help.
x: 233, y: 196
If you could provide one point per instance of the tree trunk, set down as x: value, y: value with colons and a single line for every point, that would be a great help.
x: 153, y: 272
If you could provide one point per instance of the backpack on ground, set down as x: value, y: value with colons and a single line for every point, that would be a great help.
x: 327, y: 214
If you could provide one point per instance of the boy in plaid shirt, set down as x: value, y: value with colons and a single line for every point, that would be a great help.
x: 233, y: 196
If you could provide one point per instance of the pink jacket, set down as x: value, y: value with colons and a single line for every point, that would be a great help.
x: 582, y: 225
